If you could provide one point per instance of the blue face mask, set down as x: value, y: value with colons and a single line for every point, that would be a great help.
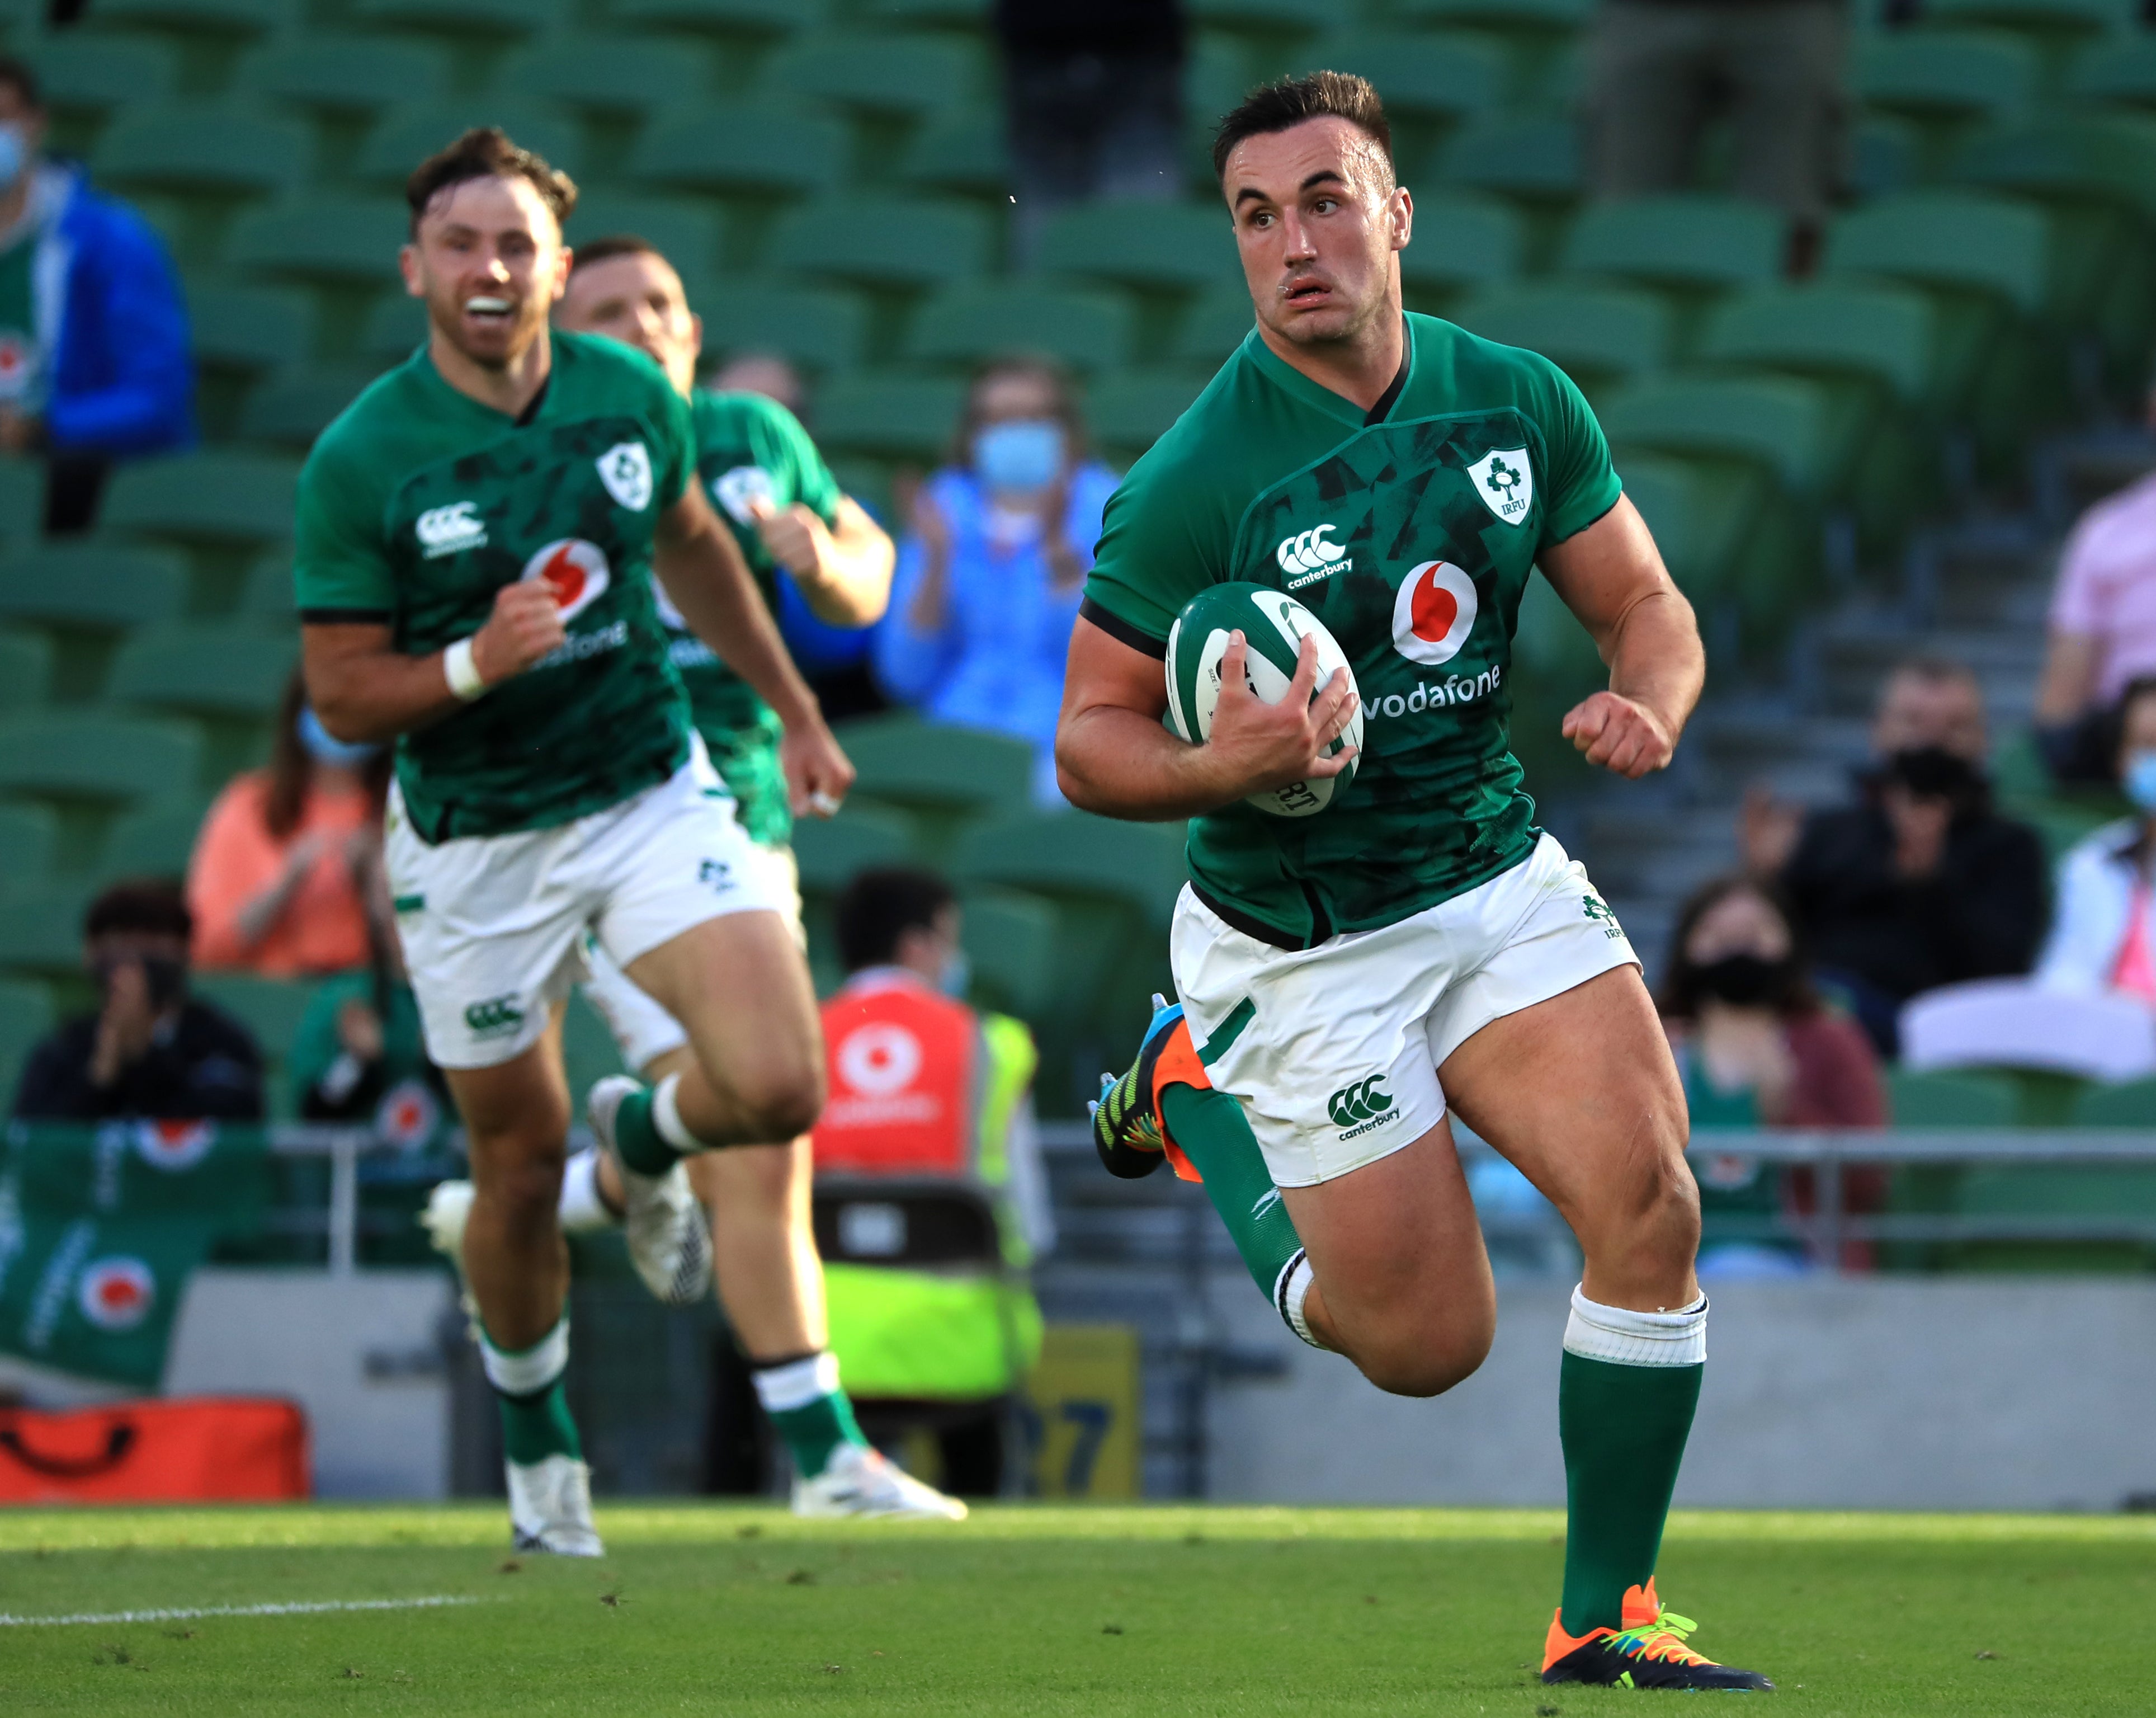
x: 14, y: 156
x: 1024, y: 454
x: 326, y: 748
x: 957, y: 977
x: 2139, y: 778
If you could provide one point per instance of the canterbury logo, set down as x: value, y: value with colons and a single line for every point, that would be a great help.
x: 1307, y: 551
x: 497, y: 1014
x: 1364, y: 1100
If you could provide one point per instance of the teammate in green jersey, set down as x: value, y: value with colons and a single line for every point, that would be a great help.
x: 759, y: 467
x: 1346, y: 975
x: 476, y: 539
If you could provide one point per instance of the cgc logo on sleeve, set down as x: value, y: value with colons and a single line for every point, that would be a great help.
x: 1433, y: 613
x: 443, y: 531
x: 625, y: 469
x: 575, y: 569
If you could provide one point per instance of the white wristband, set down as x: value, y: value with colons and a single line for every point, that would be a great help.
x: 461, y: 672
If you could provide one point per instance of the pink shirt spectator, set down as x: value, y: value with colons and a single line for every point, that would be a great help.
x: 2107, y: 589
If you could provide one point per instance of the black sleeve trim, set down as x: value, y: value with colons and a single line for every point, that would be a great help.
x: 345, y: 617
x: 1122, y: 630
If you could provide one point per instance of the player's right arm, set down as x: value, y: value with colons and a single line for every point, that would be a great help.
x: 364, y: 689
x: 1113, y: 756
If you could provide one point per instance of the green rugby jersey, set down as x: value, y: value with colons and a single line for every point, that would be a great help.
x: 747, y: 448
x: 419, y: 503
x: 1411, y: 532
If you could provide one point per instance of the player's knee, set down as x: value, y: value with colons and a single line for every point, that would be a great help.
x: 782, y: 1103
x: 1425, y: 1360
x: 523, y: 1178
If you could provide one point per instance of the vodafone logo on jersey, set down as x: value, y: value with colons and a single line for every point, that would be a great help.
x: 1433, y: 613
x: 575, y: 569
x: 116, y: 1293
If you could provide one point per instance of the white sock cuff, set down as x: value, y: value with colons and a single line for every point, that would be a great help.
x: 1636, y: 1338
x: 795, y: 1384
x: 666, y: 1116
x: 1291, y: 1289
x: 582, y: 1209
x: 526, y: 1371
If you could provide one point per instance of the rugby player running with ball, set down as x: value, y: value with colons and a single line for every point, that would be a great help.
x: 1345, y: 976
x: 476, y: 539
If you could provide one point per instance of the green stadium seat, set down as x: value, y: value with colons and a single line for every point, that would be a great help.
x: 198, y: 668
x: 1177, y: 247
x: 270, y: 1008
x: 2058, y: 27
x: 940, y: 776
x: 1954, y: 239
x: 1886, y: 334
x: 1563, y: 18
x: 1692, y: 244
x: 1946, y: 81
x: 393, y: 327
x: 890, y: 417
x: 753, y: 18
x: 294, y: 406
x: 689, y: 233
x: 41, y: 928
x: 29, y: 837
x: 1448, y: 78
x: 1950, y: 1100
x: 1886, y: 155
x: 1782, y: 426
x: 91, y: 587
x: 2131, y: 1103
x: 605, y: 74
x: 884, y: 71
x: 358, y: 75
x: 329, y: 239
x: 1270, y: 16
x: 962, y: 150
x: 155, y: 839
x: 95, y: 756
x: 831, y: 849
x: 26, y: 673
x: 406, y: 135
x: 1129, y: 413
x: 26, y: 1015
x: 202, y: 149
x: 22, y: 499
x: 211, y: 496
x: 265, y: 596
x: 1599, y: 336
x: 752, y: 149
x: 248, y: 329
x: 1534, y: 161
x: 495, y: 20
x: 1214, y: 326
x: 1009, y: 942
x: 953, y: 14
x: 1071, y: 853
x: 2120, y: 70
x: 1087, y: 330
x: 885, y: 241
x: 819, y: 328
x: 84, y: 78
x: 1703, y: 526
x: 1465, y: 243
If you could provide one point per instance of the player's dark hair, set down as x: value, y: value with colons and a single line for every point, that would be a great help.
x: 16, y: 75
x: 1681, y: 990
x: 1064, y: 406
x: 880, y: 906
x: 614, y: 244
x: 1278, y: 106
x: 146, y: 905
x: 485, y: 152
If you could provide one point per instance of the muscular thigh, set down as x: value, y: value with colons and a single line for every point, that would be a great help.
x: 516, y: 1110
x: 741, y: 990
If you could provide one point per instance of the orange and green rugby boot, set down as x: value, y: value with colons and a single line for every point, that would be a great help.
x: 1128, y: 1129
x: 1648, y: 1652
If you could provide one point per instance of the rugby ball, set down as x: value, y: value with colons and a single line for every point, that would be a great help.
x: 1275, y: 625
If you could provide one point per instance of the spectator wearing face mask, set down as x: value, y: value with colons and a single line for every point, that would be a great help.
x: 276, y: 882
x: 988, y: 581
x: 93, y: 362
x: 2103, y: 931
x: 151, y: 1050
x: 1757, y: 1048
x: 1916, y: 882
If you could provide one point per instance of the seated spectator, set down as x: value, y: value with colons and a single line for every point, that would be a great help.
x: 988, y: 583
x: 1916, y: 882
x: 923, y: 1087
x: 274, y: 880
x: 94, y: 358
x: 2102, y: 633
x: 1660, y: 71
x: 151, y: 1050
x: 1757, y: 1048
x: 2103, y: 925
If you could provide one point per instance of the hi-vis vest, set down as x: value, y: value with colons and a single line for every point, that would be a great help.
x: 922, y: 1086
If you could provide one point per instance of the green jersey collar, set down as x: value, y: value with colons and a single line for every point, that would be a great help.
x: 432, y: 379
x: 1315, y: 394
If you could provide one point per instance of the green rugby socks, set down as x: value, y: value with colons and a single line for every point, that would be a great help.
x: 535, y: 1408
x: 648, y: 1130
x: 807, y: 1409
x: 1209, y: 1130
x: 1626, y: 1392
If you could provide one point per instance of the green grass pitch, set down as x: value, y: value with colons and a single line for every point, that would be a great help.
x: 1091, y: 1612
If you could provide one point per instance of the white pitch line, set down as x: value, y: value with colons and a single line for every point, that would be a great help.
x: 10, y: 1621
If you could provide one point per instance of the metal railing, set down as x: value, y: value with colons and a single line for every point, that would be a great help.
x: 343, y: 1147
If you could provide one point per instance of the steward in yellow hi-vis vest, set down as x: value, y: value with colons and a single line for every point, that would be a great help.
x: 924, y: 1088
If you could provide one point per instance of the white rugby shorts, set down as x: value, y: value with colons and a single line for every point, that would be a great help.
x: 643, y: 1031
x: 1333, y: 1052
x: 493, y: 926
